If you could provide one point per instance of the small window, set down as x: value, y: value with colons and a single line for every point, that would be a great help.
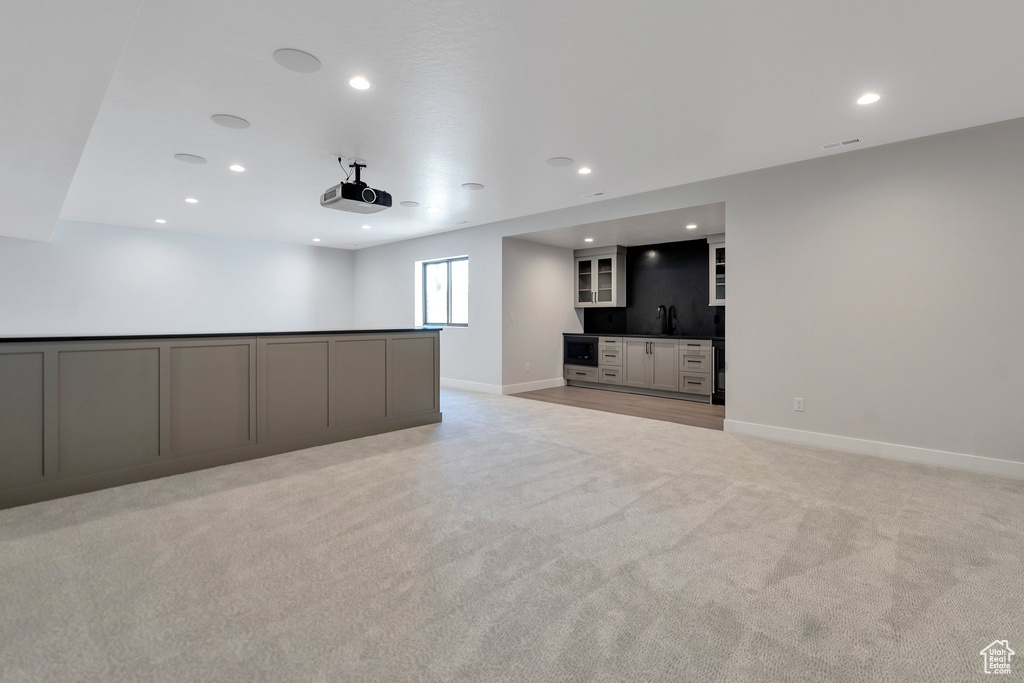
x: 446, y: 291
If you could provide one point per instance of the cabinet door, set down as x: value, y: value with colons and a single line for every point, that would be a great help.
x: 636, y: 363
x: 604, y: 289
x: 586, y: 277
x: 665, y: 365
x: 716, y: 268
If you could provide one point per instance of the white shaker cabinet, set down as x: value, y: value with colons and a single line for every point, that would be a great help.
x: 600, y: 277
x: 651, y: 364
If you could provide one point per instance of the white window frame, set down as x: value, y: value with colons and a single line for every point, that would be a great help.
x: 423, y: 289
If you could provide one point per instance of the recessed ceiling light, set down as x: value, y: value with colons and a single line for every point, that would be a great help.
x: 433, y: 209
x: 367, y: 227
x: 869, y: 98
x: 559, y: 161
x: 160, y: 220
x: 229, y: 121
x: 237, y: 168
x: 316, y: 239
x: 359, y: 83
x: 296, y: 60
x: 190, y: 158
x: 585, y: 170
x: 410, y: 204
x: 588, y: 239
x: 191, y: 200
x: 472, y: 186
x: 691, y: 226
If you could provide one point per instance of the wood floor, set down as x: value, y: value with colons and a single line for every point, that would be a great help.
x: 653, y: 407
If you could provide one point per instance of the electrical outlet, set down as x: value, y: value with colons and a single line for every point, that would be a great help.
x: 527, y: 367
x: 511, y: 317
x: 798, y: 405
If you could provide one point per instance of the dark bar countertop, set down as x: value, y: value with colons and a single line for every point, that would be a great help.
x: 205, y: 335
x: 657, y: 336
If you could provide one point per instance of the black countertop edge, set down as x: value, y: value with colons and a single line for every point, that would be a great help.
x: 210, y: 335
x: 652, y: 336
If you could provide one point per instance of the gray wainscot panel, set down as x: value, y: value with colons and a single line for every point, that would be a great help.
x: 21, y: 417
x: 212, y: 395
x: 414, y: 370
x: 360, y: 372
x: 295, y: 389
x: 108, y: 408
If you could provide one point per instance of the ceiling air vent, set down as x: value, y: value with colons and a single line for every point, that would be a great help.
x: 594, y: 194
x: 828, y: 147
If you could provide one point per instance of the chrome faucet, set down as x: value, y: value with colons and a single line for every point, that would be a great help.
x: 663, y: 317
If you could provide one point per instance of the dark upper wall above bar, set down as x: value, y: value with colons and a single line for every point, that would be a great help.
x: 674, y: 275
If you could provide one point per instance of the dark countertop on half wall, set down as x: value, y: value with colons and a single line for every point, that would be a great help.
x: 206, y: 335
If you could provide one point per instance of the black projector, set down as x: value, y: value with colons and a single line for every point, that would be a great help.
x: 357, y: 197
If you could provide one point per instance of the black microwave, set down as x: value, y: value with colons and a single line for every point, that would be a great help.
x: 579, y: 350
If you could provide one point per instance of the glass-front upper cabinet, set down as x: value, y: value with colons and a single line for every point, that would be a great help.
x: 601, y: 277
x: 605, y: 280
x: 716, y: 270
x: 584, y: 282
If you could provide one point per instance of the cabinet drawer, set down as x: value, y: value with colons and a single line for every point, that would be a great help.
x: 582, y: 373
x: 609, y: 342
x: 694, y: 384
x: 610, y: 376
x: 691, y: 360
x: 695, y: 345
x: 610, y: 356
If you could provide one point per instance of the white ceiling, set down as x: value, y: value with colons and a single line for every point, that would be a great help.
x: 649, y: 93
x: 651, y: 228
x: 56, y: 61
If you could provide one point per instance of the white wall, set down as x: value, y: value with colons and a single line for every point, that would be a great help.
x: 385, y: 286
x: 884, y: 287
x: 881, y: 285
x: 537, y: 288
x: 481, y: 356
x: 103, y: 279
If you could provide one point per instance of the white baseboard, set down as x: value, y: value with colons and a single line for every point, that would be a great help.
x: 470, y: 386
x: 532, y: 386
x: 927, y: 456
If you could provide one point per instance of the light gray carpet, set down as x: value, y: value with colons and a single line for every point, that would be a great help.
x: 521, y: 541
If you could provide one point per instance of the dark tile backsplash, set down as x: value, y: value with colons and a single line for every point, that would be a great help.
x: 674, y: 275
